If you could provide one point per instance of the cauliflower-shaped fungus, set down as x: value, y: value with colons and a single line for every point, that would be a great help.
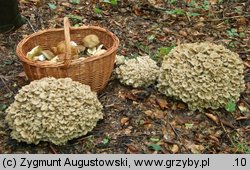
x: 54, y: 110
x: 203, y: 75
x: 138, y: 72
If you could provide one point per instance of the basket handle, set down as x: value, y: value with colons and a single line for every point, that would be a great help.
x: 67, y: 58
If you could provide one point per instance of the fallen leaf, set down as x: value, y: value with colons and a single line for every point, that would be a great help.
x: 197, y: 149
x: 167, y: 30
x: 212, y: 2
x: 127, y: 131
x: 159, y: 114
x: 162, y: 103
x: 183, y: 33
x: 22, y: 75
x: 214, y: 118
x: 36, y: 2
x: 218, y: 133
x: 124, y: 121
x: 247, y: 63
x: 149, y: 113
x: 137, y: 11
x: 181, y: 106
x: 148, y: 126
x: 214, y: 139
x: 140, y: 94
x: 226, y: 123
x: 199, y: 25
x: 242, y: 21
x: 126, y: 95
x: 243, y: 108
x: 175, y: 148
x: 130, y: 96
x: 66, y: 4
x: 118, y: 107
x: 132, y: 149
x: 155, y: 114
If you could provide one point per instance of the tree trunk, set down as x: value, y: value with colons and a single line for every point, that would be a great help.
x: 9, y: 13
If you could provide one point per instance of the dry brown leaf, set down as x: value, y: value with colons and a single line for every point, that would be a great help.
x: 214, y: 118
x: 124, y: 121
x: 162, y: 103
x: 214, y: 139
x: 212, y: 2
x: 183, y: 33
x: 197, y: 149
x: 66, y: 4
x: 218, y: 133
x: 130, y: 96
x: 175, y: 148
x: 148, y: 126
x: 159, y: 114
x: 155, y: 114
x: 126, y: 95
x: 181, y: 106
x: 137, y: 11
x: 132, y: 149
x: 22, y: 75
x: 127, y: 131
x: 247, y: 63
x: 36, y: 2
x: 167, y: 30
x: 118, y: 107
x: 242, y: 21
x: 199, y: 25
x: 226, y: 123
x: 149, y: 113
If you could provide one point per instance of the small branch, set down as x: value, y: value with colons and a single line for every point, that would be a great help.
x: 29, y: 23
x: 6, y: 85
x: 178, y: 137
x: 52, y: 149
x: 228, y: 136
x: 176, y: 134
x: 189, y: 20
x: 219, y: 19
x: 243, y: 52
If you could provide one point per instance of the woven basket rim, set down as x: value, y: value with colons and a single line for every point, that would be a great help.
x: 23, y: 58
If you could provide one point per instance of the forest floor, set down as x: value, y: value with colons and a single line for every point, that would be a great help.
x: 141, y: 120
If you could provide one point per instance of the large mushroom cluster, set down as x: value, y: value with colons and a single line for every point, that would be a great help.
x: 137, y: 72
x: 54, y: 110
x: 203, y: 75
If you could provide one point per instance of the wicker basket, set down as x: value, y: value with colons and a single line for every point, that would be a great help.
x: 94, y: 71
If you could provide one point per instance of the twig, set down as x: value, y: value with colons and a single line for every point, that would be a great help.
x: 227, y: 124
x: 243, y: 52
x: 232, y: 17
x: 189, y: 20
x: 228, y: 136
x: 52, y: 149
x: 178, y: 137
x: 245, y: 101
x: 6, y: 85
x: 31, y: 26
